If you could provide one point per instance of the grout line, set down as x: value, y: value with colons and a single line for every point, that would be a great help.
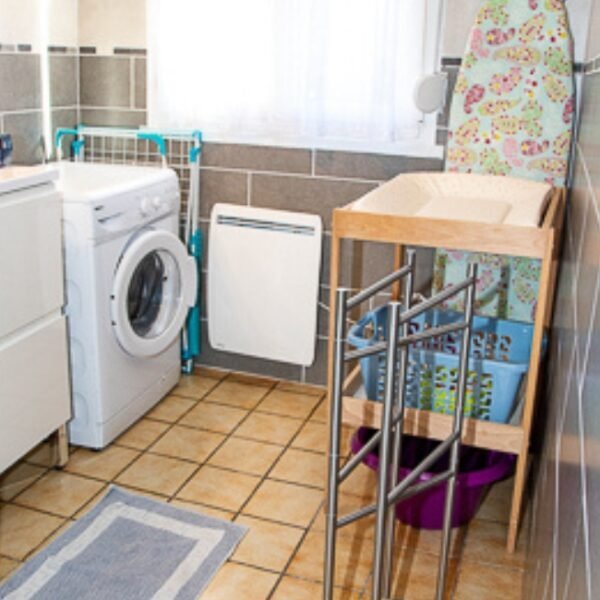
x: 132, y: 83
x: 291, y: 174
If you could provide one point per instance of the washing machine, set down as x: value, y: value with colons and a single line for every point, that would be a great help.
x: 130, y: 283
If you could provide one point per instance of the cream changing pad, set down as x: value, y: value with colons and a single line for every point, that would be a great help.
x: 460, y: 197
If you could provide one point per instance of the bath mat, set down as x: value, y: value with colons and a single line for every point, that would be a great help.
x: 128, y: 547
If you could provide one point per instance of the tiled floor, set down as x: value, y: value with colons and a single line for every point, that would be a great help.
x: 252, y: 450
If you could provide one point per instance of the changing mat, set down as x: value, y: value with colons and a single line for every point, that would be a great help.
x: 460, y: 197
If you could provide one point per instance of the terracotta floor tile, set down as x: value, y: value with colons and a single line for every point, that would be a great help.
x: 141, y: 435
x: 485, y: 542
x: 291, y: 588
x: 17, y: 478
x: 268, y: 428
x: 361, y: 482
x: 244, y: 455
x: 59, y: 493
x: 315, y: 436
x: 235, y: 581
x: 7, y: 566
x: 288, y: 404
x: 429, y: 541
x: 496, y: 504
x: 157, y: 474
x: 210, y: 372
x: 208, y: 511
x: 284, y: 502
x: 217, y: 487
x: 301, y: 466
x: 214, y: 417
x: 415, y: 575
x: 321, y: 414
x: 301, y: 388
x: 171, y: 408
x: 104, y: 464
x: 241, y: 395
x: 347, y: 504
x: 354, y: 560
x: 194, y: 386
x: 91, y: 503
x: 252, y: 379
x: 22, y: 530
x: 186, y: 443
x: 266, y: 545
x: 486, y: 581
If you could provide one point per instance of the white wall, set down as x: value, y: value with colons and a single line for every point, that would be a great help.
x: 107, y: 24
x: 21, y: 22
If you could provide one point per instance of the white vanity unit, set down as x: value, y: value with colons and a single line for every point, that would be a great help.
x: 34, y: 374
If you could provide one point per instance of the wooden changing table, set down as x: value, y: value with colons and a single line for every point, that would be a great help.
x: 541, y: 242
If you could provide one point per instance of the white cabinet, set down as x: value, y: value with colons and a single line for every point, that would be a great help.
x: 34, y: 374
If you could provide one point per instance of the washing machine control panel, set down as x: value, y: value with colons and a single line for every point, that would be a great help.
x: 135, y: 209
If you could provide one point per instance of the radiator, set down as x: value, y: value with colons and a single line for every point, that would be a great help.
x: 263, y: 282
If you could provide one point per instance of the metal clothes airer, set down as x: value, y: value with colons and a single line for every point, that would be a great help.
x: 389, y: 436
x: 192, y: 235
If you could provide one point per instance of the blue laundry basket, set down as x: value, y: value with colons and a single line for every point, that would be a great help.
x: 499, y: 358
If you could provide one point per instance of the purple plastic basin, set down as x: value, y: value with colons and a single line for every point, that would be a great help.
x: 477, y: 471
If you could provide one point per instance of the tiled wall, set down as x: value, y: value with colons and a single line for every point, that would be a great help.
x: 565, y: 533
x: 316, y: 181
x: 20, y: 70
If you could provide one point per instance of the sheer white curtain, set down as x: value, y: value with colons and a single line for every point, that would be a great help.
x: 309, y: 71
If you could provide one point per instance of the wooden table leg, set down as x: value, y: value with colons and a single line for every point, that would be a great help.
x: 61, y: 446
x: 398, y: 262
x: 545, y: 296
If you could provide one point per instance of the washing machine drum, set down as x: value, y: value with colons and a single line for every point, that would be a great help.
x: 155, y: 284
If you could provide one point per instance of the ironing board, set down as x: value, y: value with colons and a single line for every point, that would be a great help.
x: 511, y: 114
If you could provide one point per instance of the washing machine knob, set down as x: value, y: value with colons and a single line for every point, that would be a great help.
x: 146, y: 207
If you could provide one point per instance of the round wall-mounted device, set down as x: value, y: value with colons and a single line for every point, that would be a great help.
x: 430, y: 92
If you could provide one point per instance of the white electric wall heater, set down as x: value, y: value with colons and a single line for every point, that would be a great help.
x: 263, y: 282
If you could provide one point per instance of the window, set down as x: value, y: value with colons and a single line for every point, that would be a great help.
x: 321, y: 73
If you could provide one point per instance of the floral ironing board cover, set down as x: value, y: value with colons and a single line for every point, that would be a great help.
x: 511, y: 114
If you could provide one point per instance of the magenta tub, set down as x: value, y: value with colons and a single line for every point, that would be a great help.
x: 478, y: 470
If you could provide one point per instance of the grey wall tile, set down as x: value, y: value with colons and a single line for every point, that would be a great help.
x: 377, y: 167
x: 591, y: 433
x: 140, y: 83
x: 304, y: 194
x: 20, y: 83
x: 221, y: 186
x: 257, y: 158
x: 562, y: 536
x: 63, y: 80
x: 105, y: 81
x: 317, y: 373
x: 26, y: 130
x: 113, y: 118
x: 451, y: 73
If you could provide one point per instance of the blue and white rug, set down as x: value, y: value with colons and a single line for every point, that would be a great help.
x: 128, y: 547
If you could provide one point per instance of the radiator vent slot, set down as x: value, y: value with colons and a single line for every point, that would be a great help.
x: 266, y: 225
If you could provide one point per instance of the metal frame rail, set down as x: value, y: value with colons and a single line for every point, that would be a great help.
x: 389, y: 436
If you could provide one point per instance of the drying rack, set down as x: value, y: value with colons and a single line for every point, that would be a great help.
x: 179, y: 150
x: 389, y: 436
x: 542, y: 243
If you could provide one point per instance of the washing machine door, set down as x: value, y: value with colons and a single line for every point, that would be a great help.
x: 155, y: 284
